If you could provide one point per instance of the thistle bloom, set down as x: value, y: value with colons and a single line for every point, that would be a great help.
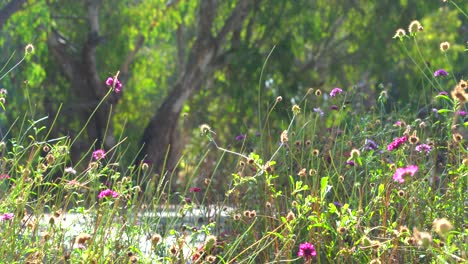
x: 397, y: 143
x: 6, y: 216
x: 423, y: 148
x: 241, y: 137
x: 306, y: 250
x: 117, y: 86
x: 440, y: 72
x: 335, y: 92
x: 99, y: 154
x: 108, y: 193
x: 194, y: 189
x: 402, y: 173
x: 318, y: 111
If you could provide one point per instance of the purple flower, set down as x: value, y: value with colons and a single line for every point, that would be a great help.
x: 370, y: 145
x: 241, y: 137
x: 335, y: 91
x: 108, y: 193
x: 6, y: 216
x: 306, y: 250
x: 423, y: 148
x: 440, y: 72
x: 462, y: 113
x: 334, y: 107
x: 350, y: 163
x: 117, y: 86
x: 397, y: 142
x: 318, y: 111
x: 338, y: 204
x: 99, y: 154
x: 402, y: 173
x: 443, y: 93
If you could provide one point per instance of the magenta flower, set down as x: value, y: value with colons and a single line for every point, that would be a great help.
x: 462, y: 113
x: 4, y: 176
x: 117, y: 86
x: 306, y: 250
x: 440, y: 72
x: 334, y: 107
x: 108, y: 193
x: 402, y: 173
x: 335, y: 92
x: 99, y: 154
x: 6, y: 216
x: 397, y: 142
x: 194, y: 189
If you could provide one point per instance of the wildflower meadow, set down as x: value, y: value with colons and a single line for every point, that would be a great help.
x: 326, y: 182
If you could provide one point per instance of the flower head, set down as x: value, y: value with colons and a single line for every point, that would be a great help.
x: 70, y: 170
x: 4, y: 176
x: 415, y: 26
x: 399, y: 33
x: 194, y: 189
x: 108, y: 193
x: 402, y: 173
x: 99, y: 154
x: 6, y: 216
x: 306, y: 250
x: 423, y: 148
x: 335, y: 92
x: 241, y: 137
x: 396, y: 143
x: 111, y: 81
x: 444, y: 46
x: 440, y: 72
x: 318, y: 111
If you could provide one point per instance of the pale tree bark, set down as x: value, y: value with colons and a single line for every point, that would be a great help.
x: 9, y: 9
x: 80, y: 68
x: 161, y: 141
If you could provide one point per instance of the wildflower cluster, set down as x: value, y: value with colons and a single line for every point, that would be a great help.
x: 396, y: 143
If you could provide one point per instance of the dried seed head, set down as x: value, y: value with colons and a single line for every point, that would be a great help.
x: 82, y: 238
x: 401, y: 193
x: 315, y: 152
x: 318, y: 92
x: 463, y: 84
x: 444, y: 46
x: 414, y: 27
x: 290, y: 216
x: 246, y: 213
x: 355, y: 153
x: 399, y: 33
x: 210, y: 243
x: 413, y: 139
x: 442, y: 226
x: 173, y: 250
x: 252, y: 214
x: 284, y: 137
x: 210, y: 259
x: 279, y: 99
x: 457, y: 137
x: 29, y: 49
x: 296, y: 109
x: 237, y: 217
x: 204, y: 129
x: 312, y: 172
x: 302, y: 173
x: 155, y: 239
x: 342, y: 230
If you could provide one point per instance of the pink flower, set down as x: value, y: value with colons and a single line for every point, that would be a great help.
x: 335, y: 92
x: 397, y: 142
x: 108, y: 193
x: 99, y: 154
x: 194, y: 189
x: 117, y: 86
x: 4, y: 176
x: 6, y: 216
x: 306, y: 250
x: 402, y: 173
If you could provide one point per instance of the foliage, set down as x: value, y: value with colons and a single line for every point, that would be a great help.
x: 315, y: 177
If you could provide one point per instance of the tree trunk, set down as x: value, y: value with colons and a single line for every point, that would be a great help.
x: 161, y: 142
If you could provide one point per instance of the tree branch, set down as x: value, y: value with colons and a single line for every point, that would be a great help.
x: 235, y: 20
